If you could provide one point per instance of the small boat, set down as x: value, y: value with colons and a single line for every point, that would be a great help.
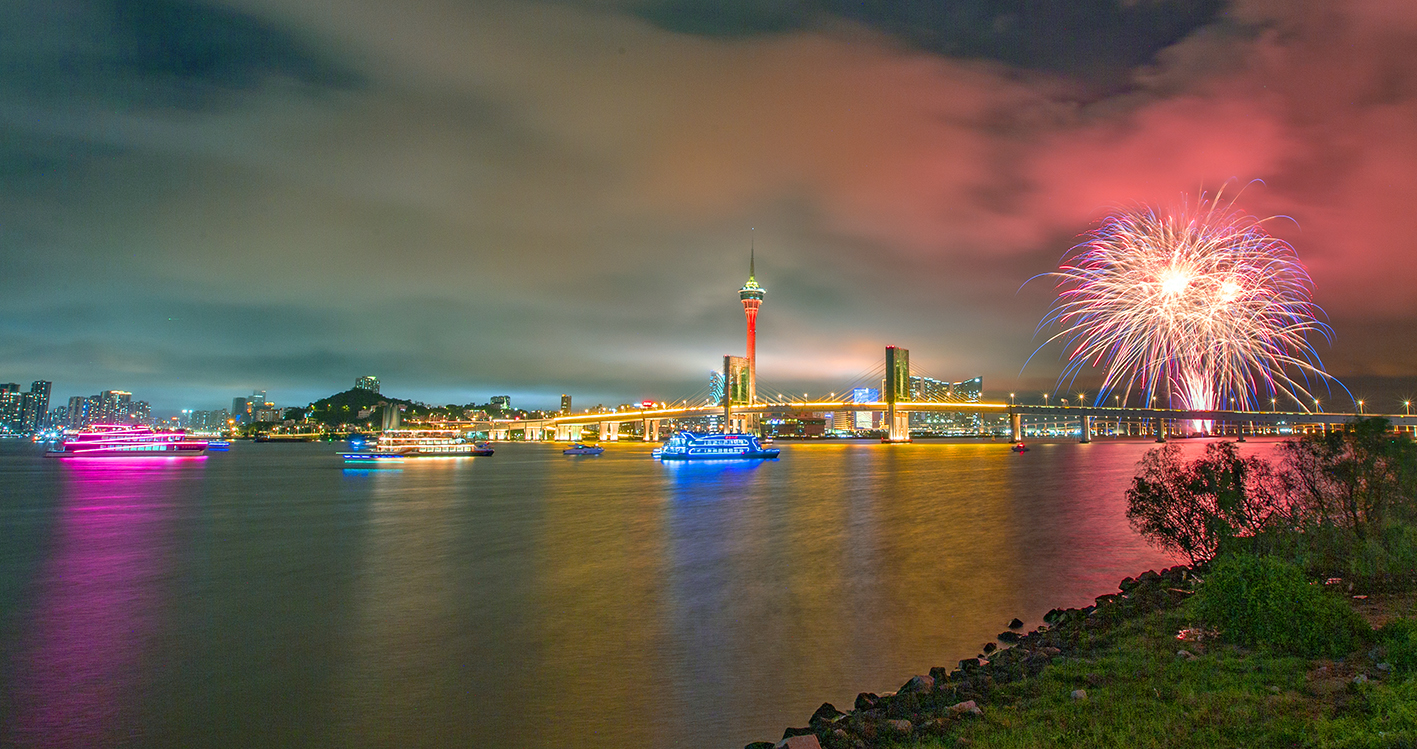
x: 1019, y: 448
x: 399, y: 444
x: 733, y: 446
x: 220, y: 446
x: 126, y: 441
x: 579, y: 449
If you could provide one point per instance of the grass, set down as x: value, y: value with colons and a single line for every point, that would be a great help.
x: 1140, y: 693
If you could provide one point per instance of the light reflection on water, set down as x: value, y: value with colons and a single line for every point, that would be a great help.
x: 271, y: 596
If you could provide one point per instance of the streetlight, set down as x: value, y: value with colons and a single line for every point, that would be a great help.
x: 1045, y: 399
x: 1272, y: 406
x: 1360, y: 407
x: 1408, y: 406
x: 1011, y: 399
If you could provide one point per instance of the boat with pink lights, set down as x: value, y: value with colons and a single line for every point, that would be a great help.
x: 127, y: 441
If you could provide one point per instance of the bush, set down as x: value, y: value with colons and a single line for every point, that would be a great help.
x: 1261, y: 600
x: 1399, y: 643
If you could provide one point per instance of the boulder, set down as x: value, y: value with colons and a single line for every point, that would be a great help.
x: 866, y: 700
x: 899, y: 728
x: 1079, y: 694
x: 918, y: 683
x: 934, y: 727
x: 968, y: 707
x: 1016, y: 623
x: 1008, y: 636
x: 789, y: 733
x: 827, y: 713
x: 806, y: 741
x: 990, y: 647
x: 969, y: 664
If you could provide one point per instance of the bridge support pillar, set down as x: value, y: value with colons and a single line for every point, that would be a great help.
x: 1158, y: 429
x: 651, y: 430
x: 898, y: 428
x: 565, y: 432
x: 609, y: 431
x: 1016, y: 427
x: 1086, y: 436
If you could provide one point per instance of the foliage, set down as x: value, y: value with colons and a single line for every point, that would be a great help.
x: 1362, y: 478
x: 1141, y: 694
x: 1193, y: 508
x: 1398, y: 641
x: 1262, y: 600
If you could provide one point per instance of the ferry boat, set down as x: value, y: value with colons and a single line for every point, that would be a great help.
x: 579, y: 449
x: 127, y: 441
x: 398, y: 444
x: 737, y: 446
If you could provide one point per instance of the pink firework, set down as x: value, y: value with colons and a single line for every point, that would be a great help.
x: 1198, y: 307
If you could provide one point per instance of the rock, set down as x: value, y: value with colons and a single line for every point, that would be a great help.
x: 1360, y: 679
x: 1016, y: 623
x: 934, y: 727
x: 789, y: 733
x: 1188, y: 655
x: 866, y: 700
x: 1079, y: 694
x: 1052, y: 616
x: 1050, y: 651
x: 969, y: 664
x: 1009, y: 637
x: 968, y: 707
x: 990, y: 647
x: 827, y: 713
x: 900, y: 727
x: 805, y: 741
x: 761, y: 745
x: 1384, y: 666
x: 918, y: 683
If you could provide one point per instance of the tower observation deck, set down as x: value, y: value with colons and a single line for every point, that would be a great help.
x: 752, y: 297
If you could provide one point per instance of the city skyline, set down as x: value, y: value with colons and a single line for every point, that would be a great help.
x: 525, y: 198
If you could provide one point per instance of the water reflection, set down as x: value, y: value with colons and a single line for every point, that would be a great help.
x: 79, y: 669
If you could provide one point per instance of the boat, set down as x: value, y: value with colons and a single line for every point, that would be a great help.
x: 1019, y: 448
x: 579, y: 449
x: 398, y: 444
x: 127, y: 441
x: 218, y: 446
x: 733, y: 446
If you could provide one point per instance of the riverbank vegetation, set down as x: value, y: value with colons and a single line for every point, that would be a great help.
x: 1294, y: 626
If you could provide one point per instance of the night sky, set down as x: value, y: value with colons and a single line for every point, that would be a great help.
x: 475, y: 198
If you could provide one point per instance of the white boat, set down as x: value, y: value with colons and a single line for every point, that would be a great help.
x: 398, y: 444
x: 735, y: 446
x: 127, y: 441
x: 579, y: 449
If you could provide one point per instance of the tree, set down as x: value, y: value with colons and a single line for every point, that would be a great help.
x: 1359, y: 478
x: 1193, y: 508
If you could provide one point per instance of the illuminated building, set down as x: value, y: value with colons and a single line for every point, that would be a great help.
x: 864, y: 419
x: 367, y: 382
x: 930, y: 390
x: 11, y: 406
x: 36, y: 406
x: 504, y: 402
x: 239, y: 408
x: 565, y: 405
x: 752, y: 297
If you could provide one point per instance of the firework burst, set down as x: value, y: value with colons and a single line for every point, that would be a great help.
x: 1200, y: 308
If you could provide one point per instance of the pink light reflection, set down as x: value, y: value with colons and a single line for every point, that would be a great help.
x: 79, y: 665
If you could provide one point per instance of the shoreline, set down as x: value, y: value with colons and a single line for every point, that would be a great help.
x: 932, y: 704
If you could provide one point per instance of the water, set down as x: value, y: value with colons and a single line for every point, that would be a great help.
x: 268, y: 596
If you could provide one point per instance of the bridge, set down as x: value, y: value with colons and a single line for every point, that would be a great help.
x: 739, y: 406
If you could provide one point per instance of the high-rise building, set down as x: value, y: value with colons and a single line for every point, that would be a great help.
x: 503, y: 402
x: 12, y: 407
x: 36, y: 406
x: 370, y: 383
x: 239, y: 407
x: 752, y: 297
x: 565, y: 404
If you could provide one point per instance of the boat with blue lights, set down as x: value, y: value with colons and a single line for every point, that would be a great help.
x: 127, y: 441
x: 732, y: 446
x: 399, y: 444
x: 580, y: 449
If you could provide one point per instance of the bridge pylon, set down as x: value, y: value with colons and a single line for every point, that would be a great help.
x: 897, y: 389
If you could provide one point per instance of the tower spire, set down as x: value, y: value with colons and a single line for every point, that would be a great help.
x: 752, y: 250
